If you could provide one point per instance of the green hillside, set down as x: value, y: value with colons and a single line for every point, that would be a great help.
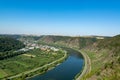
x: 105, y: 59
x: 8, y: 43
x: 113, y: 44
x: 7, y: 47
x: 103, y: 52
x: 73, y: 42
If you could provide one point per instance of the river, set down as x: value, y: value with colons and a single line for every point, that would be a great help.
x: 66, y: 70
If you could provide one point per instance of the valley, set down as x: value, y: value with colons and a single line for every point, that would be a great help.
x: 102, y: 56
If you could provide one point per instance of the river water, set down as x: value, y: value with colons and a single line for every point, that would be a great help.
x: 66, y: 70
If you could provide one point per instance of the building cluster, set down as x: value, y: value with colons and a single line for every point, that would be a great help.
x: 31, y: 46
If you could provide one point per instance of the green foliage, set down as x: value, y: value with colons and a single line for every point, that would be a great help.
x: 84, y: 42
x: 113, y: 44
x: 73, y: 42
x: 105, y: 59
x: 8, y: 43
x: 26, y: 63
x: 8, y: 46
x: 119, y: 60
x: 8, y: 54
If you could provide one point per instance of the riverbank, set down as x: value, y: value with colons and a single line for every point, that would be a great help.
x: 67, y: 70
x: 86, y: 68
x: 47, y: 67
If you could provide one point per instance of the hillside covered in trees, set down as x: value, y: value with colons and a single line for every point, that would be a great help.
x: 105, y: 59
x: 112, y: 44
x: 8, y: 43
x: 8, y: 46
x: 73, y: 42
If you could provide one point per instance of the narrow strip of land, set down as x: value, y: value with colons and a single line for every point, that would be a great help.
x: 87, y: 66
x: 33, y: 70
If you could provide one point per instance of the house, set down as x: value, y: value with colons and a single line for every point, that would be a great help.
x: 30, y: 48
x: 54, y: 49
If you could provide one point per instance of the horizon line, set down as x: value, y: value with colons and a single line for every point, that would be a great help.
x: 56, y: 35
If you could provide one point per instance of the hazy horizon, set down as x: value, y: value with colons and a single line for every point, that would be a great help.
x: 60, y: 17
x: 60, y: 35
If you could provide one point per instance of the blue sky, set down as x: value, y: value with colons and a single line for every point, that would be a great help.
x: 60, y: 17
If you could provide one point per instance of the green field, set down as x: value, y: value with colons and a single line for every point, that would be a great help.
x: 27, y: 61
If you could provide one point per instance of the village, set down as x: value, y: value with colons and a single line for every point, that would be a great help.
x: 34, y: 45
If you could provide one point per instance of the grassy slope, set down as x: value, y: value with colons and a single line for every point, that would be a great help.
x: 105, y: 58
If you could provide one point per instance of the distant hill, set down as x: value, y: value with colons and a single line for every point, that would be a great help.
x: 73, y: 42
x: 104, y: 53
x: 8, y: 43
x: 105, y: 59
x: 113, y: 44
x: 10, y: 35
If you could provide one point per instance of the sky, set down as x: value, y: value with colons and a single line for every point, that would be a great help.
x: 60, y: 17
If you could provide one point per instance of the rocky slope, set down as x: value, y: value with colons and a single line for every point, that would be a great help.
x: 103, y: 52
x: 105, y: 59
x: 73, y: 42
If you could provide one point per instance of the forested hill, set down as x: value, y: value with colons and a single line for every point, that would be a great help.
x: 113, y: 42
x: 8, y: 43
x: 74, y: 42
x: 97, y: 42
x: 105, y: 59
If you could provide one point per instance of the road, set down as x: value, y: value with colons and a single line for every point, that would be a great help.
x: 87, y: 66
x: 33, y: 70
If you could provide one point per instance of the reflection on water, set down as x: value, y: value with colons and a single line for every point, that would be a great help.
x: 66, y: 70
